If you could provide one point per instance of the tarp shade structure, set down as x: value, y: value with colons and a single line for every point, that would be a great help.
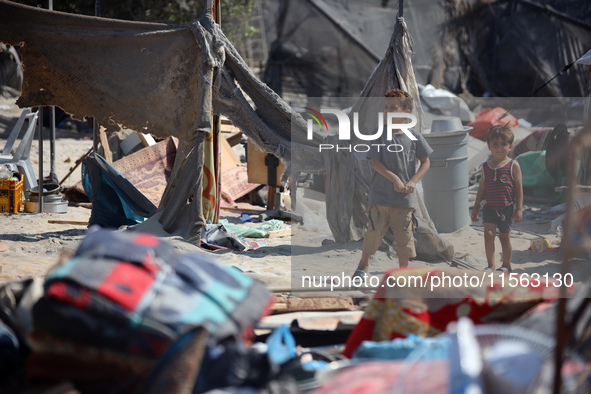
x: 511, y: 48
x: 150, y: 77
x: 163, y: 79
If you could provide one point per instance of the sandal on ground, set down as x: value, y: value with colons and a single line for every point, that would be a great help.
x: 488, y: 269
x: 357, y: 274
x: 503, y: 269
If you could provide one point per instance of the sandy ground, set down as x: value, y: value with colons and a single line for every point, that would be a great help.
x: 29, y: 245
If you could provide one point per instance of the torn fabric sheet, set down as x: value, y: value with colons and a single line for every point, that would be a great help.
x: 345, y: 209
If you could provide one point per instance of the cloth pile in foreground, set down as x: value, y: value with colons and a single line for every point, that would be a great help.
x: 111, y: 314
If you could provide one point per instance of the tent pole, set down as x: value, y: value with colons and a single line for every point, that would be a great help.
x: 213, y: 153
x: 51, y: 124
x: 217, y: 128
x: 95, y: 125
x: 400, y: 7
x: 562, y: 333
x: 40, y: 183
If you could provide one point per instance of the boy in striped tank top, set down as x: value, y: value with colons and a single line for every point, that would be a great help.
x: 501, y: 196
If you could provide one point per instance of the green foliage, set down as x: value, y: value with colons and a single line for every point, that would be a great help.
x: 235, y: 14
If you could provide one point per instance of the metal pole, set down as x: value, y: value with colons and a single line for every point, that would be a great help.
x: 400, y: 7
x: 52, y: 139
x: 51, y: 124
x: 40, y: 184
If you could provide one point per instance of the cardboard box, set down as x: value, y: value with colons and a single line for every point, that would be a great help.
x: 257, y: 170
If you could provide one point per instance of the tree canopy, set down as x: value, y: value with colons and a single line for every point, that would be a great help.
x: 235, y: 14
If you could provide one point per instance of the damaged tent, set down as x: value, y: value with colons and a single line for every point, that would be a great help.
x: 512, y: 48
x: 162, y: 79
x: 169, y: 80
x: 329, y: 48
x: 314, y: 54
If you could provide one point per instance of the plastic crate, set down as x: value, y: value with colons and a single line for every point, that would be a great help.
x: 11, y: 195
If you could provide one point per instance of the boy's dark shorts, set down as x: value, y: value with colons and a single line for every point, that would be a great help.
x: 502, y: 218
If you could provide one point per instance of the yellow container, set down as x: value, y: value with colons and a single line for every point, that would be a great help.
x: 11, y: 195
x: 540, y: 245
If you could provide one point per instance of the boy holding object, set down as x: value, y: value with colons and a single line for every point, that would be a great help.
x: 392, y: 185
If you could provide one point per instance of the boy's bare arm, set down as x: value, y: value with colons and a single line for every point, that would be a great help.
x: 478, y: 200
x: 412, y: 184
x: 518, y: 215
x: 382, y: 170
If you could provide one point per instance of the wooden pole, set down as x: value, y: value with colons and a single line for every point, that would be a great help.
x: 217, y: 127
x: 84, y: 156
x: 568, y: 248
x: 95, y: 125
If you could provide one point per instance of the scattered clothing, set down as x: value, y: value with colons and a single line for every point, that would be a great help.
x: 255, y: 231
x: 217, y: 236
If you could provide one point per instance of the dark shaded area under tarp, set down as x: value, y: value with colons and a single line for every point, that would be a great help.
x: 512, y: 48
x: 327, y: 48
x: 115, y: 201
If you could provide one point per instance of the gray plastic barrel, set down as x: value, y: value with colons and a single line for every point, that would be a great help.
x: 445, y: 185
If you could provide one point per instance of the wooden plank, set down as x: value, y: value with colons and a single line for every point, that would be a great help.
x: 105, y: 144
x: 229, y: 157
x: 234, y: 139
x: 271, y: 191
x: 286, y: 232
x: 289, y: 305
x: 245, y: 210
x: 75, y: 222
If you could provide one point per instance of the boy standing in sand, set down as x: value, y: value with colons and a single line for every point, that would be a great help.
x: 501, y: 195
x: 392, y: 185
